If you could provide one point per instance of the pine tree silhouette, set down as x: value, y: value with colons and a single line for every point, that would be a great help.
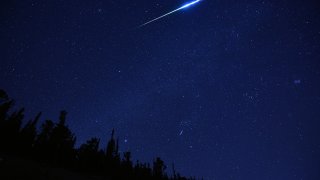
x: 27, y: 136
x: 3, y: 95
x: 61, y: 142
x: 126, y: 166
x: 89, y: 156
x: 5, y: 106
x: 112, y: 159
x: 54, y: 145
x: 42, y: 146
x: 158, y: 168
x: 11, y: 129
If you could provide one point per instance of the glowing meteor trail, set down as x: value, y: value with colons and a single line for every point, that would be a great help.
x: 182, y: 7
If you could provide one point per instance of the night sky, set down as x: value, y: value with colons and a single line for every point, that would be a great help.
x: 224, y: 89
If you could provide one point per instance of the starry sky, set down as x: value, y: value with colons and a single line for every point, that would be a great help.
x: 224, y: 89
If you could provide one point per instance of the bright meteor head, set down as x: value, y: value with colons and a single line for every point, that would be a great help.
x: 189, y: 4
x: 182, y: 7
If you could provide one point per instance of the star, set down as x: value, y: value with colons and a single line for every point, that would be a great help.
x: 297, y: 81
x: 181, y: 132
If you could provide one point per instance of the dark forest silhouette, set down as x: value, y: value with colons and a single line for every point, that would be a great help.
x: 54, y: 146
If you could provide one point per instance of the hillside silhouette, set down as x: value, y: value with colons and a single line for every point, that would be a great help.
x: 50, y: 153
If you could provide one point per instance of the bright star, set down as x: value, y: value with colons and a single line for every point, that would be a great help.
x: 181, y: 132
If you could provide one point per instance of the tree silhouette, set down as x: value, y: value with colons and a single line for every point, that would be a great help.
x: 54, y: 145
x: 42, y: 145
x: 158, y: 168
x: 112, y: 159
x: 5, y: 106
x: 3, y: 95
x: 89, y: 156
x: 61, y: 142
x: 11, y: 129
x: 27, y: 136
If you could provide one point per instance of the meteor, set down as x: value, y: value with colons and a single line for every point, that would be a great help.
x: 182, y: 7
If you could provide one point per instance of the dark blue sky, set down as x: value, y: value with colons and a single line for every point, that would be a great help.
x: 225, y: 89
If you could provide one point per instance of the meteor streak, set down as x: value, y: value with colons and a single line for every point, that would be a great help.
x: 182, y: 7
